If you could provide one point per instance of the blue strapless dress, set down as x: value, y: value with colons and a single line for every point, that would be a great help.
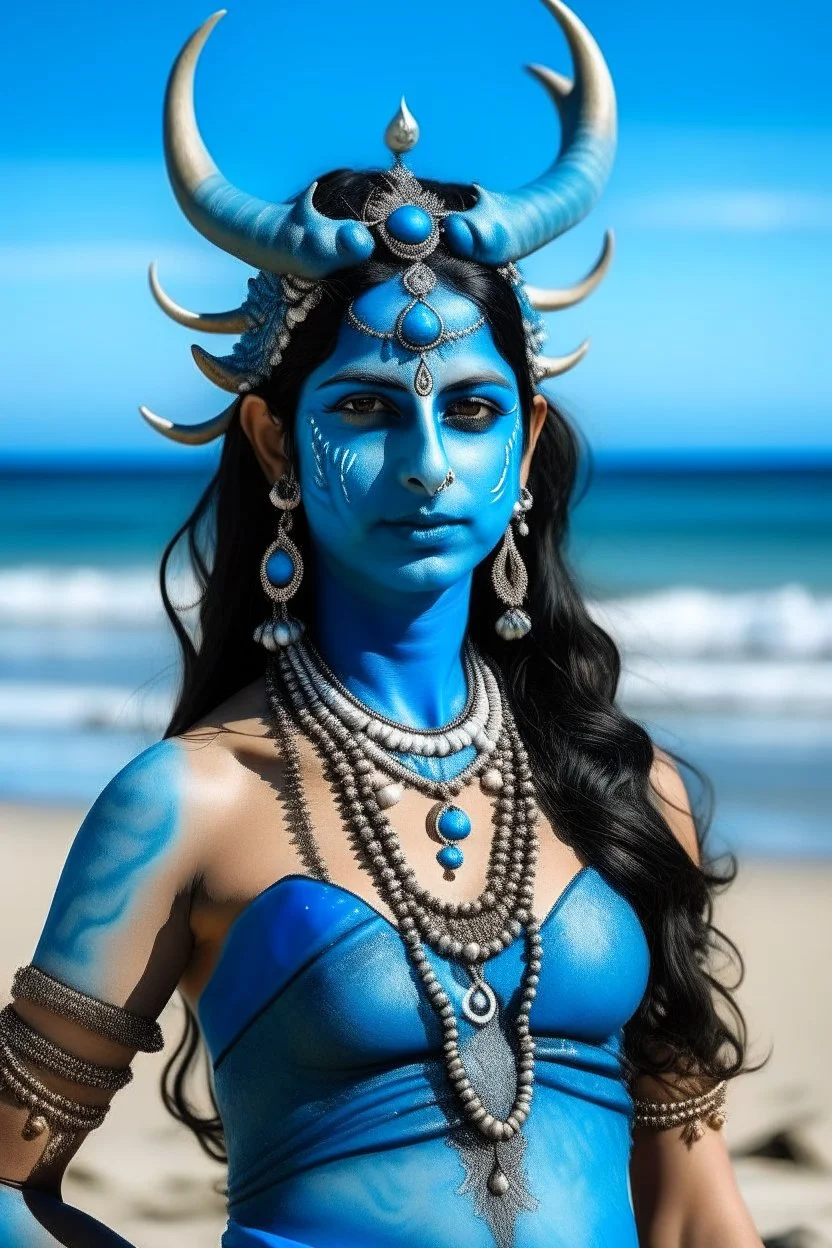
x: 339, y: 1120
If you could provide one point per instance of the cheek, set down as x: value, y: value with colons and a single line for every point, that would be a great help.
x: 337, y: 470
x: 490, y: 466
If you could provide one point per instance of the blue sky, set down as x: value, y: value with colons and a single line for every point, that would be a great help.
x: 710, y: 333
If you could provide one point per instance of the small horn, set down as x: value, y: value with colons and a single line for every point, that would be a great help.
x: 554, y: 300
x: 505, y: 227
x: 554, y: 365
x: 190, y: 435
x: 220, y: 369
x: 281, y: 238
x: 233, y: 322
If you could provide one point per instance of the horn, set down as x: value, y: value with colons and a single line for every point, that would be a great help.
x: 281, y: 238
x: 505, y: 227
x: 554, y: 300
x: 190, y: 435
x: 554, y: 365
x: 233, y: 322
x: 223, y: 370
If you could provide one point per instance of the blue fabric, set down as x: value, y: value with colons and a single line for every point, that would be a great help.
x: 329, y: 1077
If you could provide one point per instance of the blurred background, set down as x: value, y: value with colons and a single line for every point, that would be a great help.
x: 704, y: 541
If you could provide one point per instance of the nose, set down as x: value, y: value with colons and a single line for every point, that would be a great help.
x: 424, y: 465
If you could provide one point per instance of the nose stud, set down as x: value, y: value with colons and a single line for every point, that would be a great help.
x: 449, y: 480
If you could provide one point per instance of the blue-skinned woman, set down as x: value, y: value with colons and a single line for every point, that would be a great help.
x: 435, y: 905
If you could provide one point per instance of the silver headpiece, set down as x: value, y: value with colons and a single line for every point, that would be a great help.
x: 295, y: 246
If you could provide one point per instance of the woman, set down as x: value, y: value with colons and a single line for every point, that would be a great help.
x: 435, y: 901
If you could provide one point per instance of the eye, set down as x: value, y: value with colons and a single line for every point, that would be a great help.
x: 361, y: 408
x: 473, y: 415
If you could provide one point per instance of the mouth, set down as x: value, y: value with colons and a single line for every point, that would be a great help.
x: 424, y: 520
x: 421, y: 526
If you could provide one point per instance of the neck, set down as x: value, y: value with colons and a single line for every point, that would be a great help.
x: 402, y: 656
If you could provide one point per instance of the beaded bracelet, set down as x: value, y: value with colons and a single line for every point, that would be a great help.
x: 689, y: 1113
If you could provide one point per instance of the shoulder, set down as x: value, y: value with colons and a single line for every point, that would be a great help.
x: 668, y: 793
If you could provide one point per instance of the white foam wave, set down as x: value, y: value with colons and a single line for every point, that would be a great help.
x: 68, y: 597
x: 25, y: 706
x: 789, y: 622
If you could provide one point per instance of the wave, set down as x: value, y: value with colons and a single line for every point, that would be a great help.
x: 743, y: 688
x: 788, y: 622
x: 73, y: 596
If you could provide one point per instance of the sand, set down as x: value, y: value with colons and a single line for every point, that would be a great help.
x: 146, y: 1177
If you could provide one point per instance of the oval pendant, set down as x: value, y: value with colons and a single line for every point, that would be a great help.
x: 479, y: 1005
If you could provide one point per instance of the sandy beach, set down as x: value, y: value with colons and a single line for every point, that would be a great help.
x: 146, y: 1177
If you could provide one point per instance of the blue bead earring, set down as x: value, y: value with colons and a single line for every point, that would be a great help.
x: 281, y: 570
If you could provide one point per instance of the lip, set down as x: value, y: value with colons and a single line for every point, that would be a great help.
x: 424, y: 520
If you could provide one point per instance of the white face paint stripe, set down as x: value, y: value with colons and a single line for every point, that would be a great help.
x: 318, y: 450
x: 341, y: 459
x: 345, y: 467
x: 497, y: 491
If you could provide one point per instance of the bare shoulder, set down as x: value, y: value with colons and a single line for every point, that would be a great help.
x: 669, y: 795
x: 228, y: 752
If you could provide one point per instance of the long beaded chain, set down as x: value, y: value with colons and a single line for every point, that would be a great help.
x: 472, y: 931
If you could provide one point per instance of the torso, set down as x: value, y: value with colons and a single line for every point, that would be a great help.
x: 235, y: 814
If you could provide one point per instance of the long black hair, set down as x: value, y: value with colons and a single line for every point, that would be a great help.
x: 592, y: 763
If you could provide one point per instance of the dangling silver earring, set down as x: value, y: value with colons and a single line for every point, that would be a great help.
x: 281, y: 570
x: 509, y: 576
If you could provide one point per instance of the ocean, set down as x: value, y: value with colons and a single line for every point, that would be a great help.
x: 716, y: 581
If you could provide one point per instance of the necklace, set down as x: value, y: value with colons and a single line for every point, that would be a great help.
x: 380, y: 737
x: 471, y: 932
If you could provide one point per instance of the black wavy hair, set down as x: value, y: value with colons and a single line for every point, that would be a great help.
x: 592, y: 763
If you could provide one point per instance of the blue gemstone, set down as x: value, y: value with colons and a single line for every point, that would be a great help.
x: 410, y: 224
x: 453, y: 824
x: 479, y: 1002
x: 420, y: 326
x: 450, y: 857
x: 280, y: 568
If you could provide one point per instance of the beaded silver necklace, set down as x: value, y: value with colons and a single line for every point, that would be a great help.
x: 470, y: 932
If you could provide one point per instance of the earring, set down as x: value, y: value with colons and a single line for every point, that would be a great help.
x: 281, y: 570
x: 509, y: 576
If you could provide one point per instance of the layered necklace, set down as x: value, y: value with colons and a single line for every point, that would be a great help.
x: 357, y: 747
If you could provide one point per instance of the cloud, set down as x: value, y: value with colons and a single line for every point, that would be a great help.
x: 73, y: 262
x: 752, y: 211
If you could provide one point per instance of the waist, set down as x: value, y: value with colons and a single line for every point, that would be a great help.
x: 279, y: 1131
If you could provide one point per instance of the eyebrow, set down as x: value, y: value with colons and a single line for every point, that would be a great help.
x: 389, y: 383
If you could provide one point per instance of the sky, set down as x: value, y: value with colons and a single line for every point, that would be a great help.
x: 709, y: 335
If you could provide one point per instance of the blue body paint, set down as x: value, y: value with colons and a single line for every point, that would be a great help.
x: 123, y: 842
x: 396, y: 558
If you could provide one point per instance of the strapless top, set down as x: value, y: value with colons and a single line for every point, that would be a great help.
x: 342, y: 1129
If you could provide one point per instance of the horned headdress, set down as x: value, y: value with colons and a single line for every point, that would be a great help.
x: 294, y: 246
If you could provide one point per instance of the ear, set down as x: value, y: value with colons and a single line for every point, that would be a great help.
x: 540, y: 408
x: 266, y: 434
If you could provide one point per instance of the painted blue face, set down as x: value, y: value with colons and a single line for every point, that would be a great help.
x: 373, y: 451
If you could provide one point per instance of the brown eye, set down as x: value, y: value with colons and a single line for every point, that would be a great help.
x: 474, y: 415
x: 364, y: 405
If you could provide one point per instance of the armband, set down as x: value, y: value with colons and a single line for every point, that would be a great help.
x: 689, y: 1113
x: 50, y: 1111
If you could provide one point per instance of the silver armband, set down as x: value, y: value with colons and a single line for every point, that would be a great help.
x: 689, y: 1113
x: 50, y: 1111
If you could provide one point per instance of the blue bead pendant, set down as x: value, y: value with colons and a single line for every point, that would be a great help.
x: 450, y: 824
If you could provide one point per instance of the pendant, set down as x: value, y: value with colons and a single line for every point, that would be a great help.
x: 450, y: 824
x: 479, y: 1005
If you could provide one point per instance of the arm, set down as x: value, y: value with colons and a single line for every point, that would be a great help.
x: 684, y: 1196
x: 114, y: 946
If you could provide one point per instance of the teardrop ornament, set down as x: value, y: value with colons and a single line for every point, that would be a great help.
x: 498, y: 1183
x: 423, y: 381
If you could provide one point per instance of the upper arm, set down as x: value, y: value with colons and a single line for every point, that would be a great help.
x: 117, y: 928
x: 669, y: 795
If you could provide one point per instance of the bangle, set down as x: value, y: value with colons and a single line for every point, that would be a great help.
x: 689, y: 1114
